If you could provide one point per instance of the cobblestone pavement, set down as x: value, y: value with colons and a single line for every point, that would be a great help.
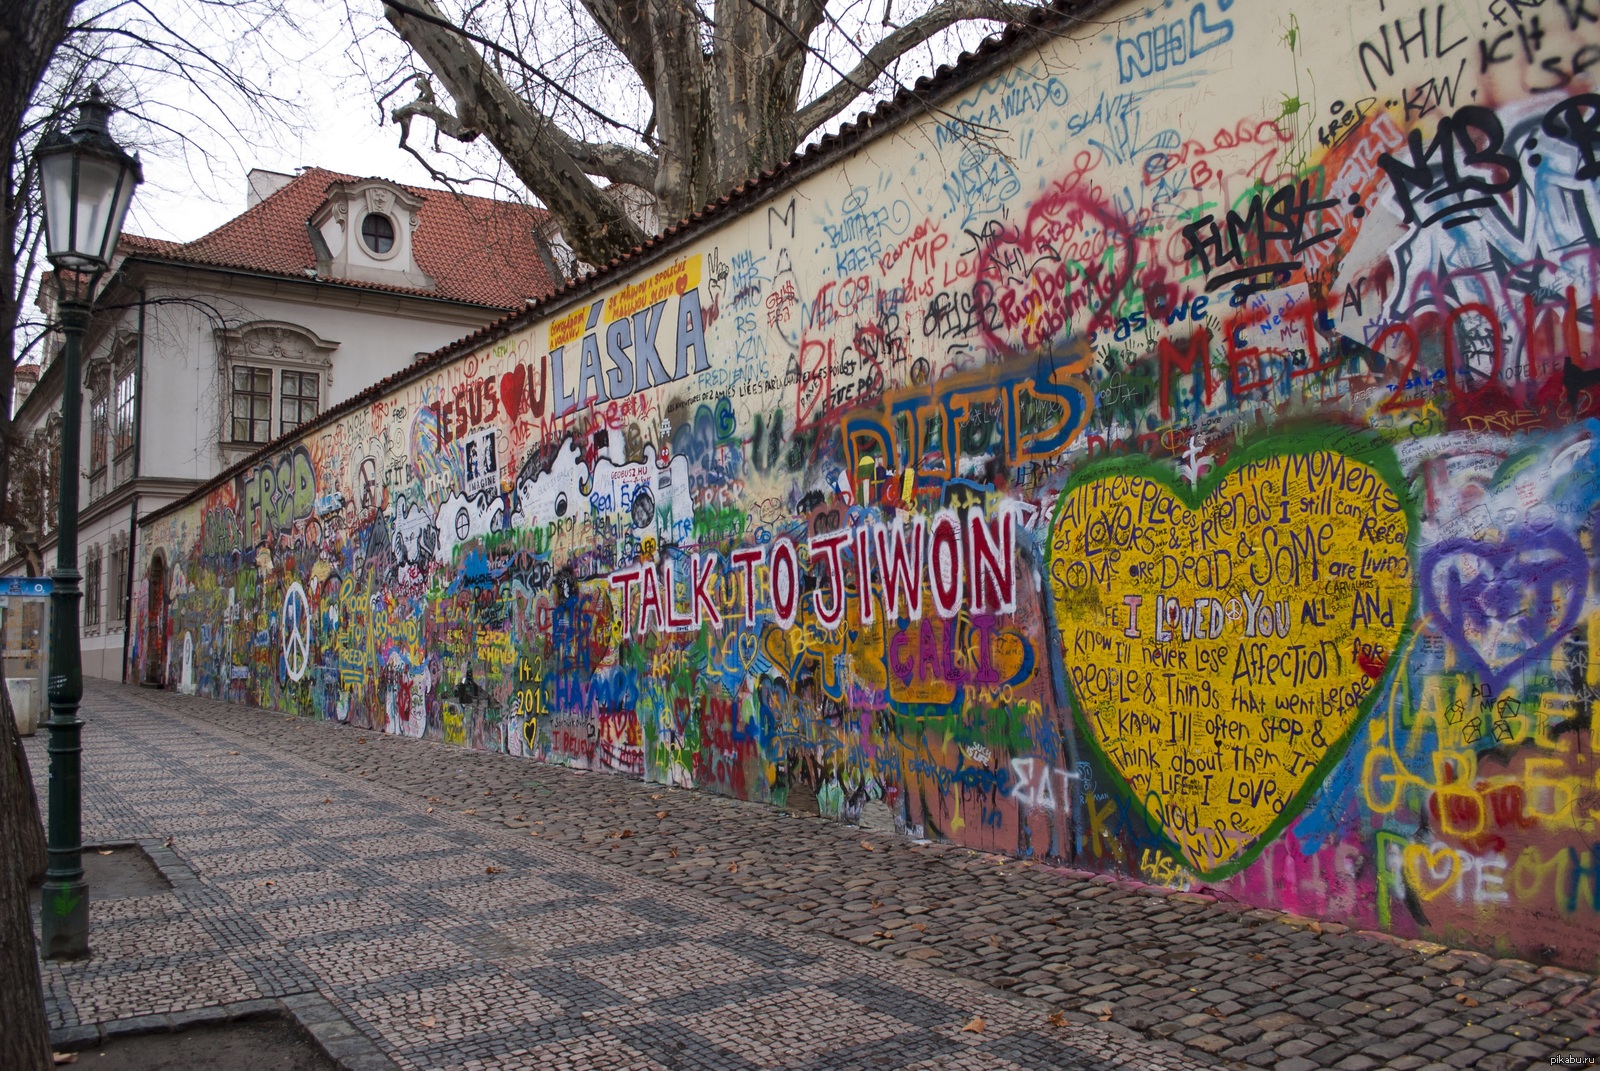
x: 1246, y: 988
x: 451, y: 941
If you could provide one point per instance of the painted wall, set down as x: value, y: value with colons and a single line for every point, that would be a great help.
x: 1176, y: 456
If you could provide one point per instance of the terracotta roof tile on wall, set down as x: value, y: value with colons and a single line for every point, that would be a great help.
x: 476, y: 250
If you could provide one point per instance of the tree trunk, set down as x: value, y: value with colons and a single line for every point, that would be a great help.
x: 25, y: 1035
x: 760, y: 64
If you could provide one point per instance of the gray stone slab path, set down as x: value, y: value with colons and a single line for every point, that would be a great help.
x: 415, y: 933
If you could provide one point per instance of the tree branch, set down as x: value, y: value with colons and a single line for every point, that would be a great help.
x: 877, y: 59
x: 427, y: 105
x: 398, y: 12
x: 595, y: 226
x: 619, y: 163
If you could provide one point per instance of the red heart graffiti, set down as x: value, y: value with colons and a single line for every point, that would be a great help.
x: 513, y: 391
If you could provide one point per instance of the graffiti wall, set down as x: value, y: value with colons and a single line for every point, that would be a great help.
x: 1175, y: 455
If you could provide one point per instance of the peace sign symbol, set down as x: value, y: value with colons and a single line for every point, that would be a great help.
x: 296, y: 631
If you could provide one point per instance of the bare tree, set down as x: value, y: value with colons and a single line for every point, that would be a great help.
x: 733, y: 87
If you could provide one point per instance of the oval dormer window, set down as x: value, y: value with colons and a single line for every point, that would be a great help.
x: 377, y: 233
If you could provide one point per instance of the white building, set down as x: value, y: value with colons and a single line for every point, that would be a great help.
x: 200, y: 353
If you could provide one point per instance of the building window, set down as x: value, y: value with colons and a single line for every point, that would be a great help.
x: 125, y: 391
x: 252, y: 404
x: 124, y: 432
x: 378, y: 233
x: 99, y: 430
x: 91, y: 587
x: 298, y: 403
x: 119, y: 579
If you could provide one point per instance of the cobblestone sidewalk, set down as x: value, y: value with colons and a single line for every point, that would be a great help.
x: 452, y: 942
x: 1249, y: 988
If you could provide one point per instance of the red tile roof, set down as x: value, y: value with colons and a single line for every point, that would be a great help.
x: 476, y: 250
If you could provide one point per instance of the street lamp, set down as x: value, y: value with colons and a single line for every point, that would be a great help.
x: 87, y: 180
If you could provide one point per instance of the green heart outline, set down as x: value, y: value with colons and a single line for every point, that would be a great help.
x: 1284, y: 440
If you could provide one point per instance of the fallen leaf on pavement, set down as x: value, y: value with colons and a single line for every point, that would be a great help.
x: 1466, y: 1000
x: 994, y: 941
x: 361, y: 740
x: 1105, y: 1017
x: 975, y: 1026
x: 59, y: 1058
x: 430, y: 809
x: 233, y: 753
x: 662, y: 814
x: 733, y: 868
x: 867, y: 845
x: 104, y: 851
x: 919, y: 927
x: 655, y: 795
x: 429, y: 1021
x: 672, y: 853
x: 330, y: 800
x: 1056, y: 1018
x: 491, y: 870
x: 434, y: 799
x: 876, y: 904
x: 469, y: 812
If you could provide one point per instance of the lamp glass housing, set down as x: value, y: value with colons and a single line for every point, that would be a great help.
x: 88, y: 183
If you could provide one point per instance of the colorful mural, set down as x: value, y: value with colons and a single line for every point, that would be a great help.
x: 1174, y: 455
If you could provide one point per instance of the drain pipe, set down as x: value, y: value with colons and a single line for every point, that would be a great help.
x: 133, y: 507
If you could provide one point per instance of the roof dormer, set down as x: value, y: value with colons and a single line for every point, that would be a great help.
x: 364, y: 231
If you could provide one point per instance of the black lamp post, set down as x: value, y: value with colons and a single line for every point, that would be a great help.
x: 88, y: 181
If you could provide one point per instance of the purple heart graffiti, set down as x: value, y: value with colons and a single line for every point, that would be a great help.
x: 1502, y: 614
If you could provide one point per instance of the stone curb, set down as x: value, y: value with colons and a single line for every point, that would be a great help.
x: 312, y: 1013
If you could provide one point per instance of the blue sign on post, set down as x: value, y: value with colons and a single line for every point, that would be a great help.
x: 25, y: 585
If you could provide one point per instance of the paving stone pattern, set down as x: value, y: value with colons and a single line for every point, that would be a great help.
x: 1250, y: 988
x: 424, y: 935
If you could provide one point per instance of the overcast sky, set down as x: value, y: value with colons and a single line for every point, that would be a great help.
x: 321, y: 58
x: 334, y: 123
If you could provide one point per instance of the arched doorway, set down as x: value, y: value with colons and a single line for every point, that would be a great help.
x: 155, y: 622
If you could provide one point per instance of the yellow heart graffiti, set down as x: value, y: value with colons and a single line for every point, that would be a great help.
x: 1222, y: 642
x: 1423, y: 868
